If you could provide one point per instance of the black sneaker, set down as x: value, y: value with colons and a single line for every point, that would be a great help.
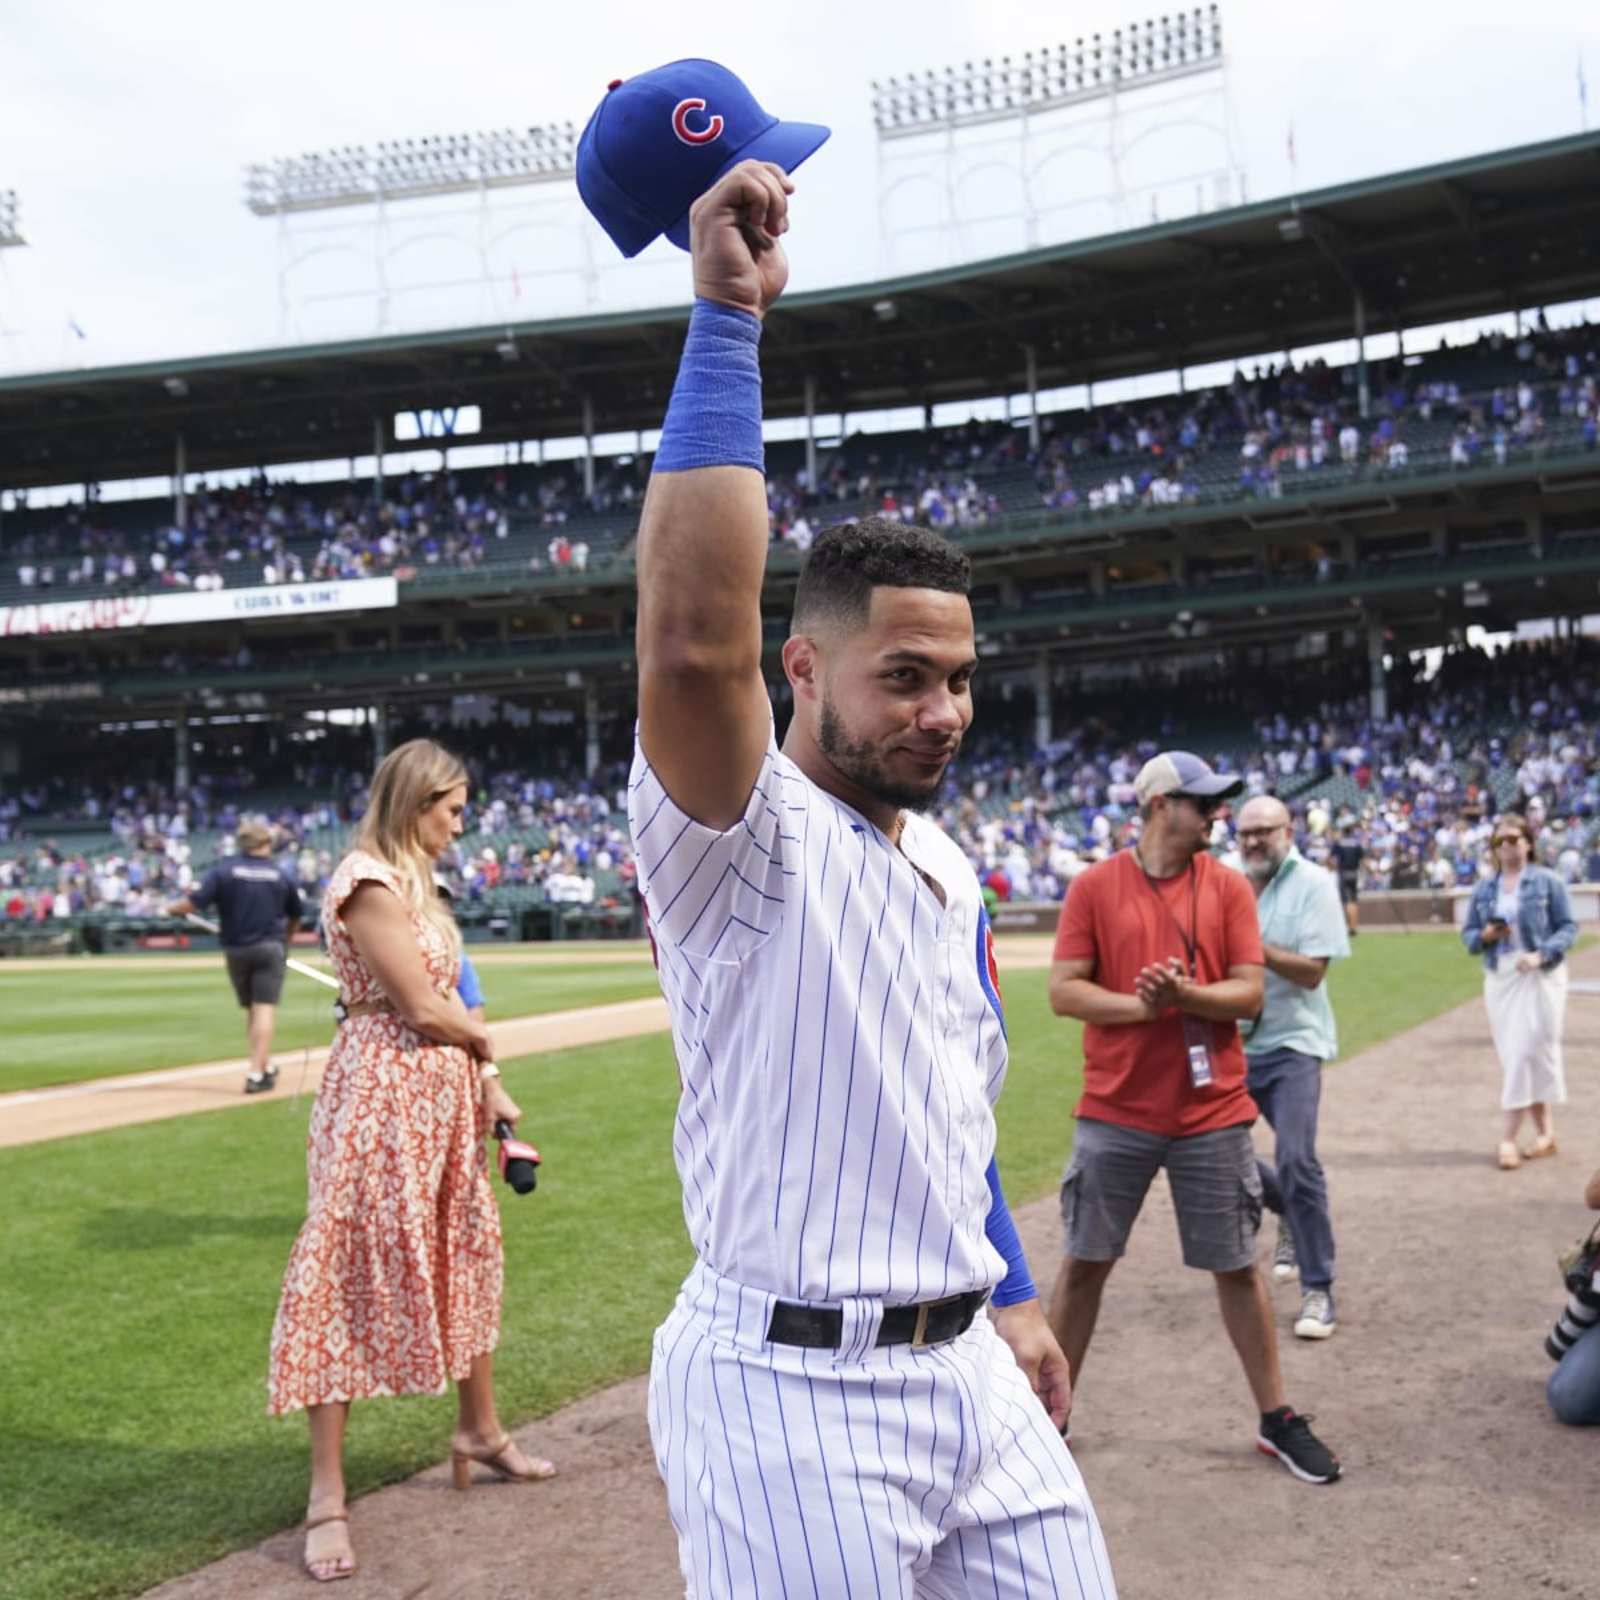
x: 260, y: 1082
x: 1288, y: 1436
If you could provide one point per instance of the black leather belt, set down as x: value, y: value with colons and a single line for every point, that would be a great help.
x: 931, y: 1322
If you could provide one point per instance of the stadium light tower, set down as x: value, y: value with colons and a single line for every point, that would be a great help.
x: 1114, y: 124
x: 442, y: 166
x: 10, y: 227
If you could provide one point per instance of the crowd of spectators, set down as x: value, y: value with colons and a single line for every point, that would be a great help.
x: 563, y: 837
x: 1496, y: 399
x: 1419, y: 787
x: 268, y: 532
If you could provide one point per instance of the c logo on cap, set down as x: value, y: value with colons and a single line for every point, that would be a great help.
x: 680, y: 123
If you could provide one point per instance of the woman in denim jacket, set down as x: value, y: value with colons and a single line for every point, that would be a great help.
x: 1520, y: 922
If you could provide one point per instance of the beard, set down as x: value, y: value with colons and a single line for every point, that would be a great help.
x: 1262, y: 869
x: 859, y: 762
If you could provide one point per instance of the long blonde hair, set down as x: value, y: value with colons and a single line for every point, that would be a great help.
x: 410, y: 779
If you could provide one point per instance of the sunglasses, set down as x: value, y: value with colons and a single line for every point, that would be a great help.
x: 1208, y: 805
x: 1511, y: 838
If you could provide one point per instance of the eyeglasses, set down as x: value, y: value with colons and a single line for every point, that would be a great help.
x: 1262, y: 833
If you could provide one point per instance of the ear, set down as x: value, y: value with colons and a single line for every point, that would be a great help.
x: 802, y: 665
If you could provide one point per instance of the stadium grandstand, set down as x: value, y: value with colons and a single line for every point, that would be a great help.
x: 1281, y: 569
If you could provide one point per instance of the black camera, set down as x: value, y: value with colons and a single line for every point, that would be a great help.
x: 519, y: 1161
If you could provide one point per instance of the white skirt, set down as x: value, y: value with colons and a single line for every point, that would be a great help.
x: 1526, y: 1013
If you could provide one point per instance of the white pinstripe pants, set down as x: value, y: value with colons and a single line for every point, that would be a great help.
x: 904, y: 1474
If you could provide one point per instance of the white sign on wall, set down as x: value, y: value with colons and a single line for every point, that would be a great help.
x: 110, y: 613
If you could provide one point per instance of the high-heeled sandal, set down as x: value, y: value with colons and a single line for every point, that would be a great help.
x: 1544, y: 1145
x: 1508, y: 1157
x: 497, y: 1458
x: 333, y: 1561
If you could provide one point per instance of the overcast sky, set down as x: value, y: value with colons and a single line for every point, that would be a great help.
x: 125, y: 131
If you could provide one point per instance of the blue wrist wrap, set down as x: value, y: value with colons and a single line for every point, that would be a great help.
x: 1002, y: 1234
x: 714, y: 416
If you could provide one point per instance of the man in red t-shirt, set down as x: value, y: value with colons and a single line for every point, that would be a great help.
x: 1158, y: 953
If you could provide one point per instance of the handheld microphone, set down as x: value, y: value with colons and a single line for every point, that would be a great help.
x: 519, y: 1161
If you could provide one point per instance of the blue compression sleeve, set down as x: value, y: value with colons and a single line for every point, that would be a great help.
x: 467, y: 985
x: 1002, y: 1233
x: 714, y: 416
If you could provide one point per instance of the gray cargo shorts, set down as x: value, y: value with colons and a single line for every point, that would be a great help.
x: 1216, y: 1190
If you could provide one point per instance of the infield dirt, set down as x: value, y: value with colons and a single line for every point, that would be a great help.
x: 1457, y: 1481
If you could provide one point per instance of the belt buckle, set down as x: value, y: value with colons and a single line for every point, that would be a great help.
x: 919, y: 1332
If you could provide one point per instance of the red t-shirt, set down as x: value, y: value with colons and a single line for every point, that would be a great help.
x: 1137, y: 1074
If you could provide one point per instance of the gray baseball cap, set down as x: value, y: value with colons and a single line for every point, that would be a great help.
x: 1180, y: 772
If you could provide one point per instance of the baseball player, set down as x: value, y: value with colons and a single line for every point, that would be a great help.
x: 259, y: 909
x: 856, y: 1392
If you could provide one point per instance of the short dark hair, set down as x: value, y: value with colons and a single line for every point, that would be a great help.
x: 847, y: 562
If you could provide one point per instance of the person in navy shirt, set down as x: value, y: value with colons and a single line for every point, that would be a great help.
x: 259, y: 910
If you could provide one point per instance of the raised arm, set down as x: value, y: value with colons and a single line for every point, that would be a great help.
x: 703, y: 709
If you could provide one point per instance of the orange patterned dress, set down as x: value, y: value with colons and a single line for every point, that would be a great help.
x: 394, y: 1285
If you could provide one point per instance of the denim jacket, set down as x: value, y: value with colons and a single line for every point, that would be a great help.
x: 1544, y: 917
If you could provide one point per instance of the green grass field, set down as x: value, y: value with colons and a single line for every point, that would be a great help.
x: 72, y: 1020
x: 140, y: 1269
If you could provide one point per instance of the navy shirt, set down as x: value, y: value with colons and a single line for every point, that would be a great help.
x: 1347, y: 855
x: 252, y: 897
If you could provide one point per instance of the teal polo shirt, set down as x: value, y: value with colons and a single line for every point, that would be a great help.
x: 1299, y: 910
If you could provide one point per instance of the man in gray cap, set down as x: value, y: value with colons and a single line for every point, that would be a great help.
x: 1158, y: 953
x: 259, y: 910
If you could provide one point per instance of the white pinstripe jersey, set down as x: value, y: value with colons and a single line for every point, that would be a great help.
x: 839, y: 1042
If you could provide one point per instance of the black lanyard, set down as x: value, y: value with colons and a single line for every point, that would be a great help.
x: 1191, y: 939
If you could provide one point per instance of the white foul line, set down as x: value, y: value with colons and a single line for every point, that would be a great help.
x: 167, y: 1075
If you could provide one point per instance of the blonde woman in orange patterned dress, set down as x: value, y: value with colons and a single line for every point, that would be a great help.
x: 394, y: 1284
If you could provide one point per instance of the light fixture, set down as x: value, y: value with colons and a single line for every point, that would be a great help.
x: 990, y: 91
x: 404, y: 169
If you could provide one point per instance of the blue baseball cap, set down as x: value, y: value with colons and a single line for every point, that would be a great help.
x: 657, y: 142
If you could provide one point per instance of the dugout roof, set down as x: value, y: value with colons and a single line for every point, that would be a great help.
x: 1513, y: 229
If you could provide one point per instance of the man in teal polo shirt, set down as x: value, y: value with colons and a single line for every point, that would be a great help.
x: 1302, y: 930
